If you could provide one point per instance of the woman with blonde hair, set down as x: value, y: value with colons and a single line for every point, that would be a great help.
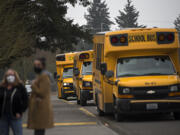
x: 13, y: 102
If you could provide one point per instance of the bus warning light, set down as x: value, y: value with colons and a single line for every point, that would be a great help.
x: 84, y: 56
x: 114, y: 39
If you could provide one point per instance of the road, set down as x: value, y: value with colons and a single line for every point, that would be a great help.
x: 72, y: 119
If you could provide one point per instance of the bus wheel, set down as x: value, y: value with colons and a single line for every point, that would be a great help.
x: 78, y: 101
x: 177, y: 116
x: 63, y: 96
x: 118, y: 116
x: 100, y: 112
x: 83, y: 102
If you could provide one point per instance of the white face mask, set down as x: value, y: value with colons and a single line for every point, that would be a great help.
x: 10, y: 79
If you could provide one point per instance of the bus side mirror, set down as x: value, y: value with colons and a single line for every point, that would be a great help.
x: 103, y: 68
x: 109, y: 74
x: 76, y: 71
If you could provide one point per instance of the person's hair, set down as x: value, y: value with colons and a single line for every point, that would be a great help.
x: 17, y: 79
x: 42, y: 60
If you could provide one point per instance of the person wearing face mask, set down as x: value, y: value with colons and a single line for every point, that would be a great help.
x: 13, y: 102
x: 40, y: 115
x: 43, y: 69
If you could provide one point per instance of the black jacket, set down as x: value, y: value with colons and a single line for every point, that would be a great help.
x: 19, y: 100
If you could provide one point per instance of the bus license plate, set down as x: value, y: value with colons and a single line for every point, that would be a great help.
x: 151, y: 106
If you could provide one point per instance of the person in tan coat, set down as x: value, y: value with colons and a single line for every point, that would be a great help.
x: 40, y: 115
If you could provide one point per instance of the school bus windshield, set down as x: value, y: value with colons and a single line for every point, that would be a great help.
x: 87, y: 68
x: 68, y: 73
x: 143, y: 66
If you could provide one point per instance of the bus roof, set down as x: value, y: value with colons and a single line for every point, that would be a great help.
x: 133, y: 29
x: 65, y: 59
x: 139, y: 39
x: 90, y: 52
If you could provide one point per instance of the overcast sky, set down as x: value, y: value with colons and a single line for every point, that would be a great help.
x: 160, y: 13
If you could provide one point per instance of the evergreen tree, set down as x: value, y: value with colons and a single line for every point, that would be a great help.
x: 16, y: 39
x: 26, y: 25
x: 128, y: 18
x: 177, y: 23
x: 98, y: 17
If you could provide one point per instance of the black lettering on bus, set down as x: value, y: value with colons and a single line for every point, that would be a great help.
x: 143, y: 39
x: 151, y: 38
x: 139, y: 38
x: 130, y: 39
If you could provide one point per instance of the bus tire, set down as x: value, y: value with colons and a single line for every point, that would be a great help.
x: 118, y: 116
x: 100, y: 112
x: 96, y: 99
x: 83, y: 102
x: 77, y: 100
x: 63, y: 95
x: 177, y: 116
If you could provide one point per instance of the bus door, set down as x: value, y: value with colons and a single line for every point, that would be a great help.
x: 60, y: 80
x: 98, y: 78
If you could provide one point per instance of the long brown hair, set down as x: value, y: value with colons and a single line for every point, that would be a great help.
x: 17, y: 79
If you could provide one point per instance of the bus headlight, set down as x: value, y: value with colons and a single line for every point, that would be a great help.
x: 66, y: 84
x: 87, y: 84
x: 174, y: 88
x: 126, y: 90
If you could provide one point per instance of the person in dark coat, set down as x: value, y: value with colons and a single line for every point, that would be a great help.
x: 13, y: 103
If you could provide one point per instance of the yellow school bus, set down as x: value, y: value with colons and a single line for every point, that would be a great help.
x: 137, y: 71
x: 83, y: 76
x: 64, y: 65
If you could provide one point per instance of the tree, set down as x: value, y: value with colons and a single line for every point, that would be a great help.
x: 98, y: 17
x: 128, y: 18
x: 177, y: 23
x: 15, y: 40
x: 26, y: 25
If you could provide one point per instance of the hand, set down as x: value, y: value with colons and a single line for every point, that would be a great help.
x: 18, y: 115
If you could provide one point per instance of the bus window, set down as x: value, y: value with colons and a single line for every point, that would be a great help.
x: 87, y: 68
x: 144, y: 66
x: 68, y: 73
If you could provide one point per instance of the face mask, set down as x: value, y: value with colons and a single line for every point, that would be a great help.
x: 37, y: 70
x: 10, y: 79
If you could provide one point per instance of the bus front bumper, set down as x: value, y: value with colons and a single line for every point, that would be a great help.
x: 69, y: 92
x: 148, y: 106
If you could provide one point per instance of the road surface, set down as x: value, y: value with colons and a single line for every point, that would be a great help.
x: 72, y: 119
